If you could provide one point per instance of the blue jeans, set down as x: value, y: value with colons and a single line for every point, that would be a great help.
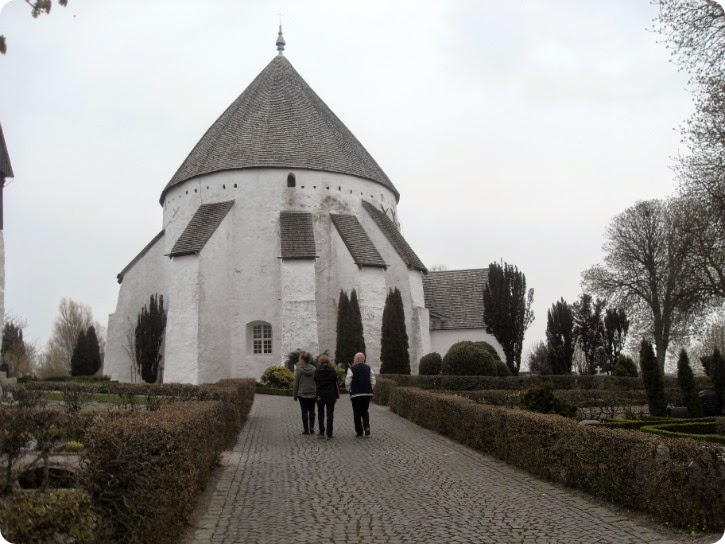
x: 308, y: 414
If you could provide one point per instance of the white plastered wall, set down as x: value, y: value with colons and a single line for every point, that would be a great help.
x: 145, y: 278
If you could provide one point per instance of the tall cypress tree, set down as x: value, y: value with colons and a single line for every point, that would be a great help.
x: 394, y: 355
x: 616, y: 327
x: 560, y: 337
x: 507, y: 310
x: 93, y: 350
x: 80, y: 356
x: 356, y: 326
x: 652, y: 379
x: 686, y: 381
x: 149, y: 335
x: 342, y: 341
x: 717, y: 375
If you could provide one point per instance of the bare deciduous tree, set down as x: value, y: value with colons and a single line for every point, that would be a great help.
x: 694, y: 31
x: 647, y: 270
x: 73, y: 318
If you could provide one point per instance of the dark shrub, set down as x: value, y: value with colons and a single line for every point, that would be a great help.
x: 278, y: 377
x: 40, y: 518
x: 467, y: 359
x: 502, y: 369
x: 652, y: 380
x: 540, y: 398
x: 686, y: 382
x: 625, y: 366
x: 431, y: 364
x: 717, y: 367
x: 489, y: 348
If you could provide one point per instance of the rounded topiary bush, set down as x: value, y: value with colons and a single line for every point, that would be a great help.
x: 278, y: 377
x: 468, y: 359
x: 431, y: 364
x: 489, y: 348
x: 625, y: 366
x: 502, y: 369
x: 540, y: 398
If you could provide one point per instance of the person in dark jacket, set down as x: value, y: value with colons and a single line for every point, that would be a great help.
x: 327, y: 395
x: 305, y: 390
x: 360, y: 381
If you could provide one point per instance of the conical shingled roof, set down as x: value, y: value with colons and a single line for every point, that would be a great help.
x: 279, y: 122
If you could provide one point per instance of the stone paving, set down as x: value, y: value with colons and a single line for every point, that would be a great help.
x: 403, y: 484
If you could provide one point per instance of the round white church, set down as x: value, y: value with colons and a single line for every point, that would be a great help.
x: 275, y: 211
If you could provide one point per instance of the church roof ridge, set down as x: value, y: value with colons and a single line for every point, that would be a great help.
x: 279, y: 122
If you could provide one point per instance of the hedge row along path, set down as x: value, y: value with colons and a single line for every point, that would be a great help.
x: 403, y: 484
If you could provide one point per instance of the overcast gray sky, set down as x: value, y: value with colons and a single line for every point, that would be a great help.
x: 513, y: 130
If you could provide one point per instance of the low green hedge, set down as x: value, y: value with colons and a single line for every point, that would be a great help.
x: 636, y: 424
x: 680, y: 482
x: 568, y: 381
x: 697, y: 430
x: 61, y: 516
x: 262, y: 390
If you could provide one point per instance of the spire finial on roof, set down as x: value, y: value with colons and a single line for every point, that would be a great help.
x: 280, y: 39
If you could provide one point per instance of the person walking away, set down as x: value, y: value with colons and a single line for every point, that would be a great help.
x: 360, y: 381
x: 305, y: 390
x: 327, y: 395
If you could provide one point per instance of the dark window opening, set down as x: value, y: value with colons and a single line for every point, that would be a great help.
x: 291, y: 182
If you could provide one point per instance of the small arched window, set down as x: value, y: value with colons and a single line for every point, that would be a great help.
x: 291, y: 180
x: 259, y: 334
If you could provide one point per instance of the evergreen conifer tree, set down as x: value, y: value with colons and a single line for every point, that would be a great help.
x: 93, y: 352
x: 356, y: 326
x: 13, y: 350
x: 686, y: 381
x: 652, y: 379
x: 149, y: 334
x: 717, y: 375
x: 343, y: 356
x: 560, y: 337
x: 507, y: 310
x: 79, y: 357
x: 394, y: 356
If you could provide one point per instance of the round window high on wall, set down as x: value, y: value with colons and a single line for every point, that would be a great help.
x: 291, y: 182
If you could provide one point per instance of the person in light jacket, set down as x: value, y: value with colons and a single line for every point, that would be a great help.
x: 360, y: 381
x: 327, y: 395
x: 305, y: 390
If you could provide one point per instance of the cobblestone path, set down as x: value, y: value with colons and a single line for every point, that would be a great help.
x: 403, y: 484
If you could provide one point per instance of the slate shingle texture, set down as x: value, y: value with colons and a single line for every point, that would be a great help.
x: 6, y: 169
x: 458, y: 296
x: 357, y: 241
x: 197, y: 233
x: 279, y: 122
x: 297, y: 238
x: 393, y: 235
x: 137, y: 258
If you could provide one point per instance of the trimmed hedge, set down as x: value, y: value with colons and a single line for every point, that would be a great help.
x: 698, y: 430
x: 677, y: 481
x: 145, y: 471
x: 566, y: 381
x: 381, y: 392
x: 32, y: 517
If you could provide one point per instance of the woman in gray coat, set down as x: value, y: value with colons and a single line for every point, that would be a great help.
x: 305, y: 390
